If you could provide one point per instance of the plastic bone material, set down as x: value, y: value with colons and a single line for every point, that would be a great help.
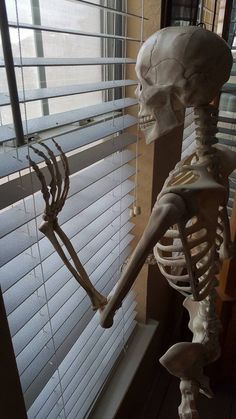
x: 55, y: 196
x: 188, y: 227
x: 176, y: 69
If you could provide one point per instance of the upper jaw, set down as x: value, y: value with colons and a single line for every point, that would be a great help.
x: 148, y: 126
x: 145, y: 121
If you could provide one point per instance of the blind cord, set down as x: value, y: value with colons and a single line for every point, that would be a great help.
x: 136, y: 208
x: 124, y: 53
x: 35, y: 217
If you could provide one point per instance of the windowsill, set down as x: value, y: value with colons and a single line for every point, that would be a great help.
x: 108, y: 404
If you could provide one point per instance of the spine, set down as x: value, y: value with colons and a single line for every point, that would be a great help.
x: 206, y: 118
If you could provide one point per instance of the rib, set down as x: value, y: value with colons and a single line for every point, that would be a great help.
x: 172, y: 234
x: 197, y: 258
x: 205, y: 266
x: 194, y: 242
x: 184, y: 290
x: 206, y: 279
x: 175, y: 278
x: 169, y: 248
x: 171, y: 261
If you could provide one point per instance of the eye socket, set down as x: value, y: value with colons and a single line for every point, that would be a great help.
x: 138, y: 89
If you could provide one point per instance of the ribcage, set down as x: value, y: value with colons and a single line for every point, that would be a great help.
x: 187, y: 256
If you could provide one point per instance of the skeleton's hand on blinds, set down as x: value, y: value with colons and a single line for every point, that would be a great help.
x: 55, y: 195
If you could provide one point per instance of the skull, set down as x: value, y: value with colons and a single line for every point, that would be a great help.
x: 178, y: 67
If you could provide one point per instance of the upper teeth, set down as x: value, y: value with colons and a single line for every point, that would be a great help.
x: 145, y: 121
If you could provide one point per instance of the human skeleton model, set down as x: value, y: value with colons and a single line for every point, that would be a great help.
x: 188, y: 227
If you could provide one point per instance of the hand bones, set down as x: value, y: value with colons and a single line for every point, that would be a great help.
x: 55, y: 196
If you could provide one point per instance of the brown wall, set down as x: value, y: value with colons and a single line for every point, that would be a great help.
x: 154, y: 164
x: 155, y: 297
x: 145, y: 152
x: 209, y: 8
x: 11, y: 397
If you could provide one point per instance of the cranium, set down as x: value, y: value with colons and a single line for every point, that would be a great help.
x: 178, y: 67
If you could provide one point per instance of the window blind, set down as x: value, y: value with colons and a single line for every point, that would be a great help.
x: 183, y: 13
x: 227, y: 108
x: 188, y: 144
x: 226, y: 125
x: 63, y: 356
x: 180, y: 12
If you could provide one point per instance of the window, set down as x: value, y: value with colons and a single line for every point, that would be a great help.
x: 208, y: 15
x: 70, y: 65
x: 180, y: 12
x: 227, y: 108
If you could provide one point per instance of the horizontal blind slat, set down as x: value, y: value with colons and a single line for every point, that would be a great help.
x: 188, y: 143
x: 95, y: 333
x: 52, y: 263
x: 93, y: 267
x: 86, y: 359
x: 105, y: 373
x: 52, y: 92
x: 37, y: 125
x: 190, y: 149
x: 46, y: 400
x: 48, y: 369
x: 93, y: 363
x: 24, y: 263
x: 110, y: 9
x: 87, y: 243
x: 228, y: 131
x: 64, y: 62
x: 10, y: 163
x: 229, y: 88
x: 73, y: 408
x: 110, y: 216
x: 62, y: 342
x: 21, y: 239
x: 79, y: 299
x: 188, y: 131
x: 227, y: 119
x: 12, y: 191
x: 22, y: 213
x: 69, y: 31
x: 189, y: 117
x: 226, y: 141
x: 69, y: 294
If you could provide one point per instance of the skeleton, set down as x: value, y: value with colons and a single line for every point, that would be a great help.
x: 188, y: 227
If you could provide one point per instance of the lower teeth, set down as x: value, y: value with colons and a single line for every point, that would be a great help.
x: 147, y: 124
